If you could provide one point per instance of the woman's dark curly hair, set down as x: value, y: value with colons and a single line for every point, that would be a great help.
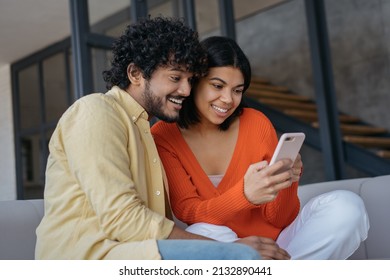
x: 151, y: 43
x: 221, y: 51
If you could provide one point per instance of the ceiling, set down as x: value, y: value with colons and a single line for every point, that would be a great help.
x: 29, y: 26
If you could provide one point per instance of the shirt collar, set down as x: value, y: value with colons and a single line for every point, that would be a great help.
x: 133, y: 109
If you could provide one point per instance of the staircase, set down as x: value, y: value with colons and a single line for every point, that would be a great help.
x: 356, y: 134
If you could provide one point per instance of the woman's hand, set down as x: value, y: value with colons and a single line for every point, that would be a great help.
x: 266, y: 247
x: 263, y: 182
x: 297, y: 168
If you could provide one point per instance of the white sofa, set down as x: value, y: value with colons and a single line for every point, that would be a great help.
x: 19, y: 218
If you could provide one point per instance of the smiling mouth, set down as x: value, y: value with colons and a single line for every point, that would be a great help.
x: 178, y: 101
x: 219, y: 109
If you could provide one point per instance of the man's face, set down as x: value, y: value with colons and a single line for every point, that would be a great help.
x: 165, y: 92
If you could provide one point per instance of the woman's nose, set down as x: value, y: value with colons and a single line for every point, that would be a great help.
x: 226, y: 96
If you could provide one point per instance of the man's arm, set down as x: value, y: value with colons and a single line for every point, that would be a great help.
x: 178, y: 233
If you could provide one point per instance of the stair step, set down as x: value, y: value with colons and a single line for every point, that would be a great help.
x: 257, y: 92
x: 369, y: 142
x: 356, y: 129
x: 383, y: 153
x: 311, y: 116
x: 287, y: 104
x: 269, y: 87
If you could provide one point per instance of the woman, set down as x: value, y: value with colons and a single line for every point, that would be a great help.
x: 216, y: 159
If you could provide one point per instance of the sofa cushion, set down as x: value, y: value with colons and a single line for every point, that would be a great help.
x: 17, y: 238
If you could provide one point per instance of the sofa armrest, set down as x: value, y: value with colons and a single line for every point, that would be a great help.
x: 376, y: 196
x: 18, y: 222
x: 375, y: 193
x: 306, y: 192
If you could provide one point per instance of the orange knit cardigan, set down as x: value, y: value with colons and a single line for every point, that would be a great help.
x: 195, y: 199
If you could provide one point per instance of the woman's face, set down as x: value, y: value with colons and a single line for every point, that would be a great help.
x: 218, y: 94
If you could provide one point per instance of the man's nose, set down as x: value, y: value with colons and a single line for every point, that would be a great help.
x: 184, y: 88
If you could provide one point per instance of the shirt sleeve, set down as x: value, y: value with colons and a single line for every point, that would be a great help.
x: 95, y: 139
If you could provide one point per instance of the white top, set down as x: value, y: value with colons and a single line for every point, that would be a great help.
x: 215, y: 179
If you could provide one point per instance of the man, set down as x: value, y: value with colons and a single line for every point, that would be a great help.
x: 104, y: 195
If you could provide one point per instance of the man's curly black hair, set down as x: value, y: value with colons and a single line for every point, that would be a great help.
x: 151, y: 43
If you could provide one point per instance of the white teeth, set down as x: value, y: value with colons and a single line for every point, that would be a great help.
x: 219, y: 109
x: 175, y: 100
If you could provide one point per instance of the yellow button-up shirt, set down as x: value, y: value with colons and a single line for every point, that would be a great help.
x: 104, y: 192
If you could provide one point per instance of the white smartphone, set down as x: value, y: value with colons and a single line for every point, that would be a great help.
x: 288, y: 147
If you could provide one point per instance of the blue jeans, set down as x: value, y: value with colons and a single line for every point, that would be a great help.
x: 171, y: 249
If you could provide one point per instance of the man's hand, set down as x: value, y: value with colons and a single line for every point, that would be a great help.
x: 267, y: 247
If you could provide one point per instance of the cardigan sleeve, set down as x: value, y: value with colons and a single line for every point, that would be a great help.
x: 283, y: 210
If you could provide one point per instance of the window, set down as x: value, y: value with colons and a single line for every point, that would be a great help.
x: 42, y: 92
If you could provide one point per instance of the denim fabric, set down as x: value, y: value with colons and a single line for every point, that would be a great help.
x: 205, y: 250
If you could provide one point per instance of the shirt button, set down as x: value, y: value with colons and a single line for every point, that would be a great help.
x: 134, y: 118
x: 158, y: 192
x: 154, y: 160
x: 146, y: 132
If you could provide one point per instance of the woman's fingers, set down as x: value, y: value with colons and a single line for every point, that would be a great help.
x: 267, y: 247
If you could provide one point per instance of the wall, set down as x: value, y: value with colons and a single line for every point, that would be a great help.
x: 359, y: 35
x: 360, y: 39
x: 7, y: 150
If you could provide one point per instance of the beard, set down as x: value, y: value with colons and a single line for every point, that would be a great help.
x: 154, y: 106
